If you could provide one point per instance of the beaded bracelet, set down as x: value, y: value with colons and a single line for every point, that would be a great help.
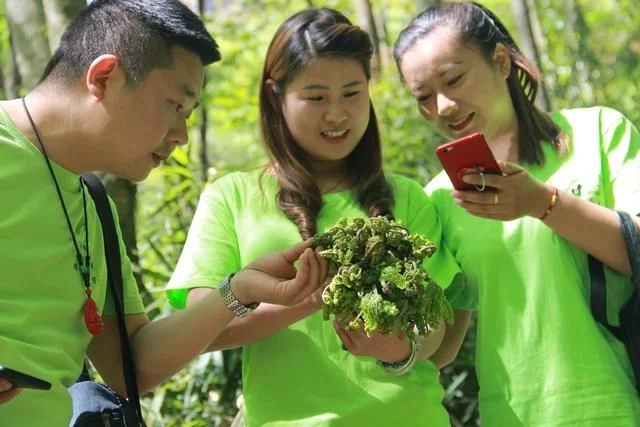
x: 552, y: 203
x: 404, y: 366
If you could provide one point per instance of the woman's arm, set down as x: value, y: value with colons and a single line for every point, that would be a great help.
x: 441, y: 346
x: 593, y: 228
x: 453, y: 338
x: 589, y: 226
x: 389, y: 348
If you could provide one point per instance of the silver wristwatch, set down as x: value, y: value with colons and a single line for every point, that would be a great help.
x: 230, y: 300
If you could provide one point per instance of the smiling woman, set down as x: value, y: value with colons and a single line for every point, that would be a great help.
x: 326, y: 108
x: 321, y: 134
x: 444, y: 77
x: 541, y: 357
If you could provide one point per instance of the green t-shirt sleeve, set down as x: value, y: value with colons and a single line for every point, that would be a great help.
x: 459, y: 295
x: 132, y: 301
x: 211, y: 250
x: 620, y: 175
x: 459, y: 292
x: 621, y: 159
x: 421, y: 217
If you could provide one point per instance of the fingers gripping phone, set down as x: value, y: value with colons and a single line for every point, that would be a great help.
x: 22, y: 380
x: 469, y: 152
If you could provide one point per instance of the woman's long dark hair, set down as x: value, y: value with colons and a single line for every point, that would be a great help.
x: 481, y: 28
x: 300, y: 40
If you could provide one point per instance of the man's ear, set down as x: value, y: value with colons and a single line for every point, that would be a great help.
x: 502, y: 59
x: 103, y: 71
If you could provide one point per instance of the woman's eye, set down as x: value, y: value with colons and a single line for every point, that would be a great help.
x: 315, y: 98
x: 423, y: 98
x: 351, y: 94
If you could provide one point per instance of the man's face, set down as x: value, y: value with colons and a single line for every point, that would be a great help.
x: 146, y: 122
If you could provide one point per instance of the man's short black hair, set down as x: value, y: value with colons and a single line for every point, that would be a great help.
x: 141, y: 33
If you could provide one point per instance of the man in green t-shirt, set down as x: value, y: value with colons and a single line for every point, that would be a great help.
x: 115, y: 97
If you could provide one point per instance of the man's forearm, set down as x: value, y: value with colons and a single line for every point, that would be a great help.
x: 165, y: 346
x: 265, y: 321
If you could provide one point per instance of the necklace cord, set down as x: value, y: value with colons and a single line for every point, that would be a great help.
x: 83, y: 266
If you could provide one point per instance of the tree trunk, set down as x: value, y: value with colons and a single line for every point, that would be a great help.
x: 204, y: 122
x: 12, y: 81
x: 28, y: 39
x: 194, y: 5
x: 577, y: 34
x: 123, y: 192
x: 367, y: 21
x: 58, y: 14
x: 198, y: 7
x: 423, y: 4
x: 523, y: 16
x: 384, y: 41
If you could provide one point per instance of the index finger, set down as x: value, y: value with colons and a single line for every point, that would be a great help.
x: 6, y: 396
x: 489, y: 179
x: 5, y: 385
x: 292, y: 253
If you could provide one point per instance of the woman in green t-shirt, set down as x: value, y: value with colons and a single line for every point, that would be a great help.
x: 523, y: 242
x: 321, y: 134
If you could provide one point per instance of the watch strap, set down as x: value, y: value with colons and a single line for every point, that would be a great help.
x: 230, y: 300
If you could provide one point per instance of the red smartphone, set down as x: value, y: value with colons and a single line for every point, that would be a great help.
x: 469, y: 152
x: 22, y: 380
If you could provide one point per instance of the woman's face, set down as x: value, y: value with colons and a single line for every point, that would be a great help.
x: 457, y: 89
x: 326, y: 108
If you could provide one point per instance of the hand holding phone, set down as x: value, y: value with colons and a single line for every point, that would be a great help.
x: 7, y: 391
x: 469, y: 152
x: 22, y: 380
